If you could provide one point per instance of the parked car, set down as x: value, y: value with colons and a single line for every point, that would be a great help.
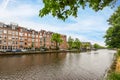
x: 8, y: 50
x: 16, y: 50
x: 42, y: 49
x: 23, y: 50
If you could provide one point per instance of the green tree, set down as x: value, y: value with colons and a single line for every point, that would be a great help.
x: 112, y: 37
x: 57, y: 39
x: 115, y: 18
x: 70, y: 42
x: 62, y: 9
x: 32, y: 45
x: 44, y: 40
x: 77, y: 43
x: 86, y: 45
x: 97, y: 46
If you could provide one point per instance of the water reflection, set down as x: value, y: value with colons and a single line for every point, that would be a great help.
x: 56, y: 66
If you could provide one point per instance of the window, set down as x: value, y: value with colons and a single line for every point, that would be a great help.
x: 13, y: 32
x: 16, y: 42
x: 21, y: 43
x: 37, y: 36
x: 9, y: 37
x: 5, y: 42
x: 5, y: 47
x: 44, y: 35
x: 21, y: 38
x: 20, y: 34
x: 13, y: 37
x: 16, y: 37
x: 0, y: 36
x: 33, y: 36
x: 41, y: 34
x: 9, y: 43
x: 5, y: 31
x: 9, y: 32
x: 5, y: 36
x: 25, y: 34
x: 32, y: 40
x: 25, y: 43
x: 28, y: 34
x: 1, y: 31
x: 16, y: 33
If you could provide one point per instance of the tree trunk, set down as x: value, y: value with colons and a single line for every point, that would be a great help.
x: 57, y: 45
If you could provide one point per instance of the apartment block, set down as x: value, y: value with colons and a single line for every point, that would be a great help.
x: 13, y: 36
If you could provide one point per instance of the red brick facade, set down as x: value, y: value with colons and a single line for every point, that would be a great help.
x: 16, y: 37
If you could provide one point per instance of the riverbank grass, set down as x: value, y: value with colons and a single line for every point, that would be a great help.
x: 114, y: 76
x: 115, y: 72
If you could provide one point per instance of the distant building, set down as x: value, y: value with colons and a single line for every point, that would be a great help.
x: 15, y: 37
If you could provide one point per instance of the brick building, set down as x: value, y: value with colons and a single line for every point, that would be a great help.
x: 15, y: 37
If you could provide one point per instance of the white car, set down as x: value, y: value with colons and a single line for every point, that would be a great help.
x: 23, y: 50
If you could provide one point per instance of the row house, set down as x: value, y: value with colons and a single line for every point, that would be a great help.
x: 63, y: 45
x: 15, y: 37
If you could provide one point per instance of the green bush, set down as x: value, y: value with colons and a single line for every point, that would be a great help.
x: 114, y: 76
x: 118, y: 52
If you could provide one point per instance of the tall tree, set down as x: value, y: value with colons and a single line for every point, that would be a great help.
x: 70, y: 42
x: 62, y: 9
x: 57, y: 39
x: 77, y: 43
x: 32, y: 45
x: 115, y: 18
x: 112, y: 37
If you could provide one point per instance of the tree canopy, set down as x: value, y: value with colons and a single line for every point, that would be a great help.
x: 115, y: 18
x: 86, y: 45
x: 77, y: 44
x: 97, y: 46
x: 112, y: 37
x: 57, y: 39
x: 62, y: 9
x: 70, y: 42
x: 74, y: 44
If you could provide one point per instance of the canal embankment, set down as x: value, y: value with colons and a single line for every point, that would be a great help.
x: 37, y: 52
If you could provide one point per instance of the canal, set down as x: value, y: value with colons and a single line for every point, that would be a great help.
x: 56, y: 66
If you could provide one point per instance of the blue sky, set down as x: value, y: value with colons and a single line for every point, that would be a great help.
x: 88, y: 26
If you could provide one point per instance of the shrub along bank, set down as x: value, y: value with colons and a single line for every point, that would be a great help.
x: 114, y: 73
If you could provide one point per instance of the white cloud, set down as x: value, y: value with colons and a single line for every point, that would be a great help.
x: 4, y: 4
x: 19, y: 11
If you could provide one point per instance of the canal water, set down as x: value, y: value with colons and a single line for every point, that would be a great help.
x: 56, y: 66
